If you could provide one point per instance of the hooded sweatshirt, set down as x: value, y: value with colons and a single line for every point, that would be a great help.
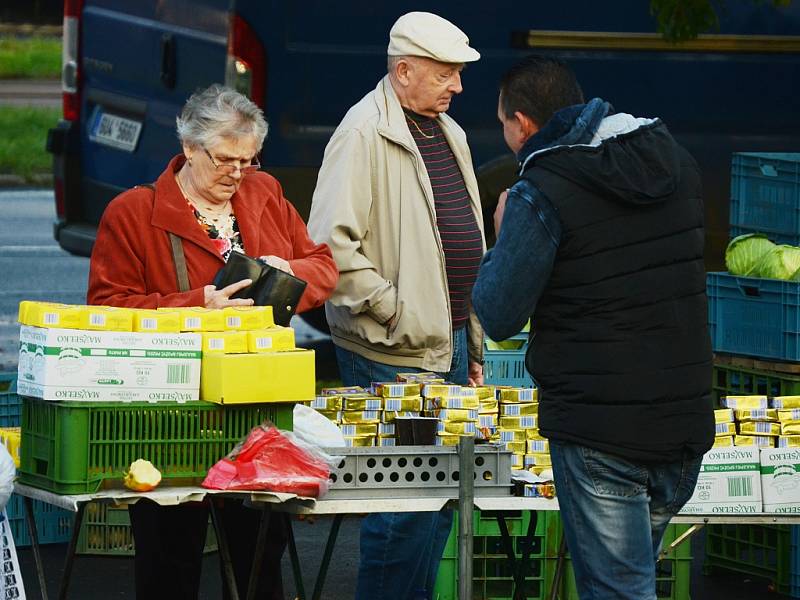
x: 602, y: 244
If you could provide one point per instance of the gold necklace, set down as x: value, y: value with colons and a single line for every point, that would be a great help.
x: 207, y: 213
x: 422, y: 133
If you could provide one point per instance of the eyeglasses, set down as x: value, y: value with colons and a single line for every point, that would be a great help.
x: 228, y: 168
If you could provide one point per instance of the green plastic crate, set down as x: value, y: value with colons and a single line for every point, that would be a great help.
x: 106, y: 531
x: 673, y: 573
x: 732, y: 381
x: 762, y: 551
x: 492, y: 578
x: 9, y: 400
x: 79, y: 447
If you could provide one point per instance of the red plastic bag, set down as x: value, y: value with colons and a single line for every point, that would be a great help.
x: 269, y: 460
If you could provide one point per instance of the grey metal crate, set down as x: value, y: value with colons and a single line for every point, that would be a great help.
x: 416, y: 471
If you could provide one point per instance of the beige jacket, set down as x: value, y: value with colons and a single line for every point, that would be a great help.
x: 373, y: 205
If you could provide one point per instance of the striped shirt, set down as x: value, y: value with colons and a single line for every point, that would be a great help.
x: 458, y: 229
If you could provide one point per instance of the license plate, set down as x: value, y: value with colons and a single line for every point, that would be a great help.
x: 115, y: 131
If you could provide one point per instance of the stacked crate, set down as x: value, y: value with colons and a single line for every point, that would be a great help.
x: 755, y: 332
x: 53, y: 525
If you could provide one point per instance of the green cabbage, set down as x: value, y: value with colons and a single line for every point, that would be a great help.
x: 782, y: 262
x: 744, y: 253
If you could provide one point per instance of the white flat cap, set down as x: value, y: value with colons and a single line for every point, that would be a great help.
x: 429, y: 35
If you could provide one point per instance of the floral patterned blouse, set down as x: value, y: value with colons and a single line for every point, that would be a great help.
x: 224, y: 234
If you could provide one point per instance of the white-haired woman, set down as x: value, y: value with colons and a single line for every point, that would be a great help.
x: 209, y: 201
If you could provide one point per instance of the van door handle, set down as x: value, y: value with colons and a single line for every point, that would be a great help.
x: 168, y: 60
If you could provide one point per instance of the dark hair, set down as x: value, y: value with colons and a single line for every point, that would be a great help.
x: 538, y: 86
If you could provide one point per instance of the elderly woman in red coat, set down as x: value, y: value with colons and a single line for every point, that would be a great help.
x: 208, y: 202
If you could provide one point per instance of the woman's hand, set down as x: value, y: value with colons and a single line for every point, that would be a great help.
x: 215, y: 298
x: 278, y: 263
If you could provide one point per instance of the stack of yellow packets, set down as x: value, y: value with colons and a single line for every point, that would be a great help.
x: 358, y: 413
x: 518, y: 428
x: 725, y: 427
x: 756, y: 424
x: 456, y: 407
x: 788, y: 412
x: 10, y: 438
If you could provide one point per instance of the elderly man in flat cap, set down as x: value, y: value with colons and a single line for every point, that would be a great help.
x: 397, y: 202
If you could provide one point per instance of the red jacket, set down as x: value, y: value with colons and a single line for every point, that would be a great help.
x: 132, y: 261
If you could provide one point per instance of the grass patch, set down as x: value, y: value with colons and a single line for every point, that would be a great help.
x: 24, y: 135
x: 34, y: 57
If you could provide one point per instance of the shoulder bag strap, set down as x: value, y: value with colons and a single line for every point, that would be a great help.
x: 177, y: 254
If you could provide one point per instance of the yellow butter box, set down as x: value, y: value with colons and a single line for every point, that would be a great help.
x: 786, y: 402
x: 358, y: 429
x: 723, y: 441
x: 388, y: 416
x: 225, y: 342
x: 459, y: 428
x: 365, y: 403
x: 723, y: 415
x: 447, y: 439
x: 157, y: 321
x: 471, y: 402
x: 533, y: 434
x: 489, y: 421
x: 515, y: 447
x: 514, y: 395
x: 200, y: 319
x: 527, y: 422
x: 339, y: 391
x: 488, y: 406
x: 51, y: 315
x: 789, y: 414
x: 248, y: 317
x: 407, y: 404
x: 332, y: 415
x: 10, y: 437
x: 538, y: 459
x: 327, y: 403
x: 790, y: 428
x: 252, y: 378
x: 744, y: 402
x: 760, y: 428
x: 396, y: 390
x: 789, y: 441
x: 276, y: 339
x: 512, y: 435
x: 763, y: 441
x: 361, y: 416
x: 430, y: 390
x: 725, y: 429
x: 359, y: 441
x: 385, y: 441
x: 454, y: 414
x: 485, y: 392
x: 756, y: 414
x: 106, y: 318
x: 538, y: 446
x: 519, y: 410
x: 424, y: 376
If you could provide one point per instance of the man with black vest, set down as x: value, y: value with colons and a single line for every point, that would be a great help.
x: 600, y: 242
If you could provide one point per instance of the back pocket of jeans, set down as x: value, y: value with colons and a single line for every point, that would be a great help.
x: 612, y: 475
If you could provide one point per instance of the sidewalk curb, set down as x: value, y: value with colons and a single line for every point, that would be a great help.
x: 8, y: 180
x: 30, y: 29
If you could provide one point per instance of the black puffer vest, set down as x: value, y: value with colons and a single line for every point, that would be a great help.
x: 620, y: 345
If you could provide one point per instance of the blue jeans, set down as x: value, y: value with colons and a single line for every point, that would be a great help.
x: 400, y: 552
x: 615, y: 512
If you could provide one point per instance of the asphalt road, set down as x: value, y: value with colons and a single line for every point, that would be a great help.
x: 32, y: 266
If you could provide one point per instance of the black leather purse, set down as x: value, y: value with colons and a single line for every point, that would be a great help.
x: 270, y: 287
